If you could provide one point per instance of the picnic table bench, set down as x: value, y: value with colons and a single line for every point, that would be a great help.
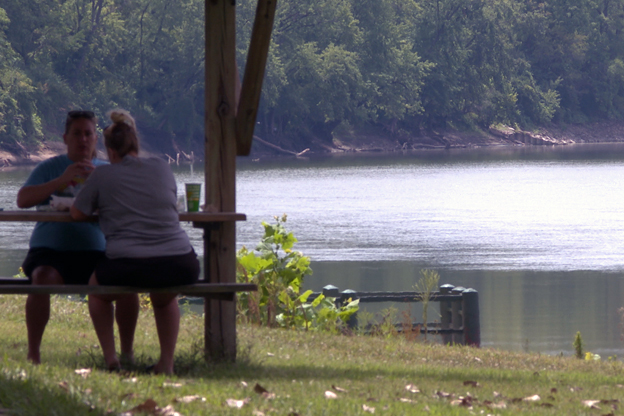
x: 216, y: 344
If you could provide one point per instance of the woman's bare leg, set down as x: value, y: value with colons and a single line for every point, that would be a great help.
x: 167, y: 315
x: 126, y: 315
x: 102, y: 314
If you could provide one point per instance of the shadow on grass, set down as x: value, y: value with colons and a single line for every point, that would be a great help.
x: 244, y: 371
x: 24, y: 396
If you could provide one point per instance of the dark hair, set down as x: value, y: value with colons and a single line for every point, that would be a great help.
x: 121, y: 136
x: 78, y: 114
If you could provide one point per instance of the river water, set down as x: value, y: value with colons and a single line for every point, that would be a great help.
x: 538, y: 231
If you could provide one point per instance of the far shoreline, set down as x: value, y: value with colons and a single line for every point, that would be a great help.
x: 365, y: 142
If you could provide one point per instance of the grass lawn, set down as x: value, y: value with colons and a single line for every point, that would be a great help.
x: 281, y: 372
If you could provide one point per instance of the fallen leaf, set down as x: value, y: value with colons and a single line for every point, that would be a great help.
x: 462, y: 401
x: 237, y: 403
x: 188, y: 399
x: 264, y: 392
x: 84, y: 372
x: 174, y: 385
x: 339, y: 389
x: 608, y: 401
x: 64, y: 385
x: 167, y: 411
x: 499, y: 405
x: 546, y: 404
x: 257, y: 413
x: 244, y: 383
x: 270, y: 354
x: 471, y: 383
x: 130, y: 380
x: 533, y: 398
x: 443, y: 394
x: 553, y: 390
x: 497, y: 394
x: 404, y: 400
x: 573, y: 389
x: 478, y: 359
x: 412, y: 388
x: 330, y: 395
x: 259, y: 389
x: 368, y: 409
x: 149, y: 406
x: 591, y: 404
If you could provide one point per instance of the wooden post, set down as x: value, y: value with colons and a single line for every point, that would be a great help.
x: 352, y: 323
x: 472, y: 326
x: 445, y: 313
x: 220, y: 244
x: 331, y: 291
x: 456, y: 316
x: 254, y: 74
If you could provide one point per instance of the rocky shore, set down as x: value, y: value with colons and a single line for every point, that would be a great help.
x: 371, y: 140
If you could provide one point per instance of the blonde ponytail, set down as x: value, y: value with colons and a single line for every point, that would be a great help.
x: 122, y: 135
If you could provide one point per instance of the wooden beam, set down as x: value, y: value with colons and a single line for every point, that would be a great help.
x: 254, y: 74
x: 49, y: 216
x: 199, y: 289
x: 220, y: 243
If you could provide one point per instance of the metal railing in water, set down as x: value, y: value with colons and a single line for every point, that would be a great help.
x: 459, y: 310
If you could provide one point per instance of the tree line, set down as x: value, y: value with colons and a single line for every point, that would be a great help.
x: 408, y: 66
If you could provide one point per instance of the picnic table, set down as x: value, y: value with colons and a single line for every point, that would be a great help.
x: 219, y: 323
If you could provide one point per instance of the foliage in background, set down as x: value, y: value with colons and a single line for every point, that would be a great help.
x: 405, y: 66
x: 279, y: 272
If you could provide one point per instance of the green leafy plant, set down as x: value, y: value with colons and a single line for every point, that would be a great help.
x: 20, y: 274
x: 279, y: 272
x: 321, y: 314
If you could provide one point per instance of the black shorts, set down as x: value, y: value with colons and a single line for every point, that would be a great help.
x: 150, y: 272
x: 75, y: 267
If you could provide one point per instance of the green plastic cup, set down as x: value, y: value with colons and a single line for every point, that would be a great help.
x: 193, y: 193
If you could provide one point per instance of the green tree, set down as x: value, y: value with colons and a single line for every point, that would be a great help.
x: 18, y: 115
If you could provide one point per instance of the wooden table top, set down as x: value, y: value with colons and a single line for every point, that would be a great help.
x: 54, y: 216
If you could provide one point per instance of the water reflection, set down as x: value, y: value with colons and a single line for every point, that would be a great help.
x: 520, y: 310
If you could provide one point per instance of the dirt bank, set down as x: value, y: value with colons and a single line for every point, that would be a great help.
x: 378, y: 140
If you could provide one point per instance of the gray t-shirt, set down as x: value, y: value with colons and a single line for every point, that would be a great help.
x: 136, y: 199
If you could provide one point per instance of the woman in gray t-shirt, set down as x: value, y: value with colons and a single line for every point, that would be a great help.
x: 136, y: 202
